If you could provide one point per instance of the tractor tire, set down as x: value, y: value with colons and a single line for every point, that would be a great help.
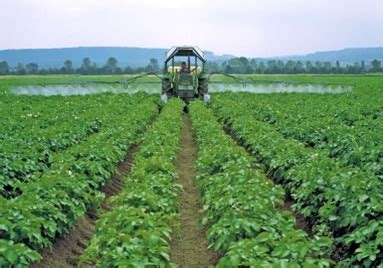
x: 166, y: 87
x: 202, y: 86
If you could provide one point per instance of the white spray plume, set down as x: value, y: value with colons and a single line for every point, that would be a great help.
x: 277, y: 88
x: 67, y: 90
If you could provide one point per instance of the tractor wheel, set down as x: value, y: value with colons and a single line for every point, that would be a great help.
x: 202, y: 86
x: 166, y: 86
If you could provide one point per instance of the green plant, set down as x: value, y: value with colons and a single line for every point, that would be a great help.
x: 241, y: 205
x: 337, y: 200
x: 136, y: 231
x: 51, y: 204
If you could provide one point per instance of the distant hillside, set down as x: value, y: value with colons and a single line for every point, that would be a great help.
x: 126, y: 56
x: 347, y: 55
x: 139, y: 57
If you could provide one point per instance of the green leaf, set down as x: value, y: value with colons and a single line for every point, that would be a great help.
x: 11, y: 255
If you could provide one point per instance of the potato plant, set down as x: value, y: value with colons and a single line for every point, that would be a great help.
x: 242, y: 206
x: 339, y: 201
x: 51, y: 205
x: 136, y: 232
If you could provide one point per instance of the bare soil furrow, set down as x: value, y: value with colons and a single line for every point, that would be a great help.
x: 189, y: 247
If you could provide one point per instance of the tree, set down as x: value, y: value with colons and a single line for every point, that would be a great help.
x: 338, y: 68
x: 32, y: 68
x: 86, y: 66
x: 363, y: 66
x: 238, y: 65
x: 213, y: 66
x: 309, y: 67
x: 140, y: 70
x: 20, y: 70
x: 68, y: 66
x: 299, y: 68
x: 153, y: 66
x: 253, y: 64
x: 271, y: 67
x: 280, y: 66
x: 327, y: 66
x: 261, y: 68
x: 290, y: 67
x: 356, y: 68
x: 4, y: 68
x: 318, y: 67
x: 228, y: 69
x: 249, y: 70
x: 376, y: 64
x: 111, y: 65
x: 244, y: 63
x: 128, y: 70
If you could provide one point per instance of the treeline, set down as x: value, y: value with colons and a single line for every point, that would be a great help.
x: 243, y: 65
x: 87, y: 68
x: 240, y: 65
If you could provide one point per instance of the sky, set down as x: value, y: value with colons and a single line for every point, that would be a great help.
x: 252, y: 28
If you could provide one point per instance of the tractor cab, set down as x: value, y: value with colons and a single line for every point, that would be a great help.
x: 185, y: 74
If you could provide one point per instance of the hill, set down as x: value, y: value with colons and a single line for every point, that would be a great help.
x: 347, y: 55
x: 139, y: 57
x: 126, y: 56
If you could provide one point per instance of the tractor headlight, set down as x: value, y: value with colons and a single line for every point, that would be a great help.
x: 164, y: 98
x: 206, y: 98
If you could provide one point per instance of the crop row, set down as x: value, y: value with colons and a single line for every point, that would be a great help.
x: 348, y: 128
x: 342, y: 202
x: 136, y: 231
x: 28, y: 149
x: 242, y: 205
x: 51, y: 205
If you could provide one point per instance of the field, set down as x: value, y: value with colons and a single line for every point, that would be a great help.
x: 249, y: 180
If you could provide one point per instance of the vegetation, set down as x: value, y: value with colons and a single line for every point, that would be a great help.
x: 241, y: 205
x: 136, y: 232
x: 48, y: 184
x: 292, y: 179
x: 243, y: 65
x: 348, y: 129
x: 240, y: 65
x: 336, y: 183
x: 87, y: 68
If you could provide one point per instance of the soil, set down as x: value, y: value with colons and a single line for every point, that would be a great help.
x: 189, y: 247
x: 301, y: 223
x: 67, y: 250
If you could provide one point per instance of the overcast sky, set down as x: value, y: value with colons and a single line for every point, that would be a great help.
x: 241, y: 27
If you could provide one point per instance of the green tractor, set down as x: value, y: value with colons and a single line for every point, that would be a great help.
x: 185, y: 74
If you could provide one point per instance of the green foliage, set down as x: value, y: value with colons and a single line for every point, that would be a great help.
x: 270, y: 250
x: 241, y: 205
x: 348, y: 127
x: 40, y: 128
x: 16, y: 255
x: 51, y: 201
x: 338, y: 200
x: 325, y: 150
x: 4, y: 68
x: 242, y: 65
x: 136, y: 232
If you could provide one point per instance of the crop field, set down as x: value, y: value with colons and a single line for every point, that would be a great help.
x: 284, y: 172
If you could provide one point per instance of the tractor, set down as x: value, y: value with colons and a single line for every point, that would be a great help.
x: 188, y: 82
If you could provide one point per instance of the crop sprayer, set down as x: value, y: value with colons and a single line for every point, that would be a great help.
x: 185, y: 76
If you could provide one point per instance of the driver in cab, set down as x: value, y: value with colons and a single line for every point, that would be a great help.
x: 184, y: 68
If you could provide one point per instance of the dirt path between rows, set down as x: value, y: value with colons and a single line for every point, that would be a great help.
x: 189, y: 247
x: 67, y: 250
